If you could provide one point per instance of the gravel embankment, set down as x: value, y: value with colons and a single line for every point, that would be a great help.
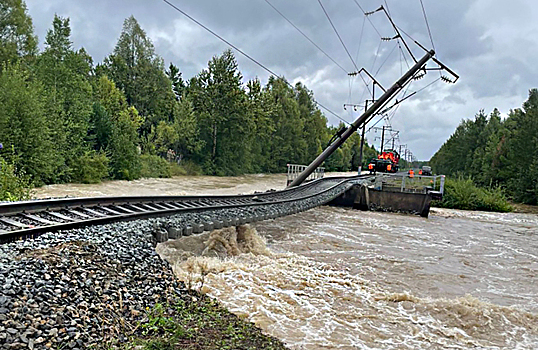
x: 77, y: 288
x: 92, y: 287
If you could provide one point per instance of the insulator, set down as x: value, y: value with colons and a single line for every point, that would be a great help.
x: 345, y: 109
x: 372, y: 12
x: 447, y: 79
x: 419, y: 76
x: 389, y: 39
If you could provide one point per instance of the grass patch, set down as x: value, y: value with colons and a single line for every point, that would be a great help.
x: 197, y: 322
x: 464, y: 194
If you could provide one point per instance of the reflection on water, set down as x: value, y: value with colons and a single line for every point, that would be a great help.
x: 334, y: 278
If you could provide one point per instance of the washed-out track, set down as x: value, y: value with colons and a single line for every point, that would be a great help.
x: 31, y: 218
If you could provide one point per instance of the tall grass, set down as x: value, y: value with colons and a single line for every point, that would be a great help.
x: 462, y: 193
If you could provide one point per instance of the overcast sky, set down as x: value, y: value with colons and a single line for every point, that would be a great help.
x: 491, y: 44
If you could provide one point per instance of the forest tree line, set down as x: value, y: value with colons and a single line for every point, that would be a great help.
x: 496, y: 152
x: 64, y: 118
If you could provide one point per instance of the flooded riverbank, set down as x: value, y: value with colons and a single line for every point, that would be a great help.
x: 336, y: 278
x: 176, y: 186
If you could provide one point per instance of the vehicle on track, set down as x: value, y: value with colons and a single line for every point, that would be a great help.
x: 386, y: 162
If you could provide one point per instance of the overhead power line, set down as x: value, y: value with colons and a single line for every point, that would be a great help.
x: 219, y: 37
x: 307, y: 38
x: 369, y: 20
x: 245, y: 54
x: 338, y: 35
x: 427, y: 24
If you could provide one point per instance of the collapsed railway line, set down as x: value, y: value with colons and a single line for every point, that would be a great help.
x: 197, y: 213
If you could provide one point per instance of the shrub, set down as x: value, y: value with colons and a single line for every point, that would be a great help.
x: 91, y: 168
x: 14, y: 185
x: 463, y: 194
x: 191, y: 168
x: 154, y: 166
x: 177, y: 170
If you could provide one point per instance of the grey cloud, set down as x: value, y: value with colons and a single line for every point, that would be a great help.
x: 490, y: 42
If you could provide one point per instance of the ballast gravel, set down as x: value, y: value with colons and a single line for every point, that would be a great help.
x: 92, y: 287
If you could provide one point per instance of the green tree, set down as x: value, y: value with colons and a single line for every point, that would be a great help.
x: 17, y: 38
x: 178, y: 84
x: 24, y: 129
x: 139, y: 72
x: 522, y: 155
x: 314, y: 125
x: 119, y: 124
x: 125, y: 157
x: 66, y: 76
x: 220, y: 103
x: 260, y: 108
x: 288, y: 127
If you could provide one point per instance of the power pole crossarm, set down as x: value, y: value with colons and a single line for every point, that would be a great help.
x: 380, y: 103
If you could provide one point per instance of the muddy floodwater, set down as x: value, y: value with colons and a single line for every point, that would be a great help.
x: 177, y: 186
x: 337, y: 278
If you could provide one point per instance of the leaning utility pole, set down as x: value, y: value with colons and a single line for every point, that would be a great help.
x: 376, y: 107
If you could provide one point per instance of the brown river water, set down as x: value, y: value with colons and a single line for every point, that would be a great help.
x: 337, y: 278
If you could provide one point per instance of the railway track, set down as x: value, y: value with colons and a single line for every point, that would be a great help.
x: 199, y: 213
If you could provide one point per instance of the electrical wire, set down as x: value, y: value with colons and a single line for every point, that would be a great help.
x: 360, y: 38
x: 386, y: 59
x: 338, y: 35
x: 307, y: 38
x: 357, y: 56
x: 427, y: 24
x: 427, y: 86
x: 369, y: 20
x: 245, y: 54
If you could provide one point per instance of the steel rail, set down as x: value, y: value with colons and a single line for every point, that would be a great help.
x: 32, y: 218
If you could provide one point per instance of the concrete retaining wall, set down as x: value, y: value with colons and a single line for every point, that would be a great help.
x: 364, y: 198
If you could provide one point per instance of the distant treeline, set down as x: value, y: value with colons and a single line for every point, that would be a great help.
x: 64, y: 118
x: 495, y: 152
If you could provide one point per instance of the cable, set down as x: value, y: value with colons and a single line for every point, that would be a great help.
x: 369, y: 20
x: 358, y: 52
x: 360, y: 39
x: 244, y: 54
x: 427, y: 86
x: 387, y: 7
x: 221, y: 38
x: 338, y: 35
x: 403, y: 55
x: 386, y: 59
x: 307, y: 38
x: 427, y: 24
